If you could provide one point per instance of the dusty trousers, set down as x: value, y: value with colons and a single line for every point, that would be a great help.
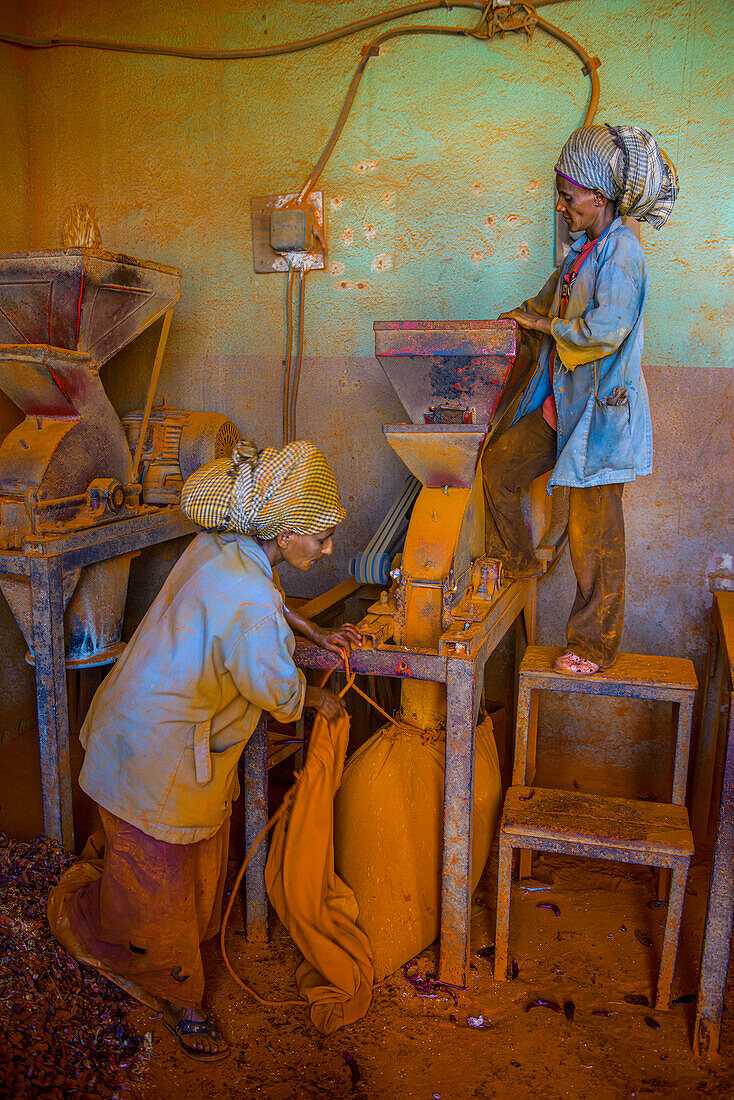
x: 595, y: 534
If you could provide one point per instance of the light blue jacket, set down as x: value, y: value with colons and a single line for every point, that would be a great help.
x: 599, y: 345
x: 166, y: 729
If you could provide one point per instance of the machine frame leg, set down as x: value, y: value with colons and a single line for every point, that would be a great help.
x: 255, y: 898
x: 47, y: 601
x: 504, y: 894
x: 461, y: 707
x: 707, y: 737
x: 719, y: 915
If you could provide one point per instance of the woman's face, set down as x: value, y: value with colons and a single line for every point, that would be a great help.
x: 301, y: 551
x: 578, y: 206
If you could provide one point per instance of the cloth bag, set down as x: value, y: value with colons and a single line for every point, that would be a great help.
x: 317, y: 908
x: 389, y: 835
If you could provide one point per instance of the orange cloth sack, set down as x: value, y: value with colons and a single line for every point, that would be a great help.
x: 316, y: 907
x: 389, y: 835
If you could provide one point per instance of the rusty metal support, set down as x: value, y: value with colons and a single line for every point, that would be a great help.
x: 720, y: 912
x: 46, y: 560
x: 462, y: 675
x: 255, y: 898
x: 47, y: 601
x: 461, y: 702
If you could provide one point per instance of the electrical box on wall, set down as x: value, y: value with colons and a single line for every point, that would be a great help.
x: 284, y: 233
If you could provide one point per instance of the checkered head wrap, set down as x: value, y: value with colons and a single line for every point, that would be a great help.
x: 627, y: 166
x: 264, y: 493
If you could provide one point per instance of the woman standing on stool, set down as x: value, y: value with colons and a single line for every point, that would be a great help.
x: 585, y: 414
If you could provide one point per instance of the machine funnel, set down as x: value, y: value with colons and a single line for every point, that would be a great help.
x: 67, y: 467
x: 440, y: 367
x: 82, y: 299
x: 438, y: 454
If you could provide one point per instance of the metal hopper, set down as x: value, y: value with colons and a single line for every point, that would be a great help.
x: 82, y: 299
x: 67, y: 466
x: 450, y: 376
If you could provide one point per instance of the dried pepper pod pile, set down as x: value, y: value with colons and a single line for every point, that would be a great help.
x: 63, y: 1028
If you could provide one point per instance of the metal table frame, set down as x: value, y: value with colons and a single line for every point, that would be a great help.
x: 463, y: 676
x: 714, y: 743
x: 44, y: 560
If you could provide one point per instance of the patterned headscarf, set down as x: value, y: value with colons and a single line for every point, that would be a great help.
x: 626, y: 165
x: 264, y: 493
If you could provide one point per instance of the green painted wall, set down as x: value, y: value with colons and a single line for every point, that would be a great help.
x: 445, y: 171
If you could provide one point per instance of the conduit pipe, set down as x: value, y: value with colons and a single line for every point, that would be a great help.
x: 259, y: 51
x: 372, y: 49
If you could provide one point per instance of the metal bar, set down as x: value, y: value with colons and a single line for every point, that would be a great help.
x: 719, y: 916
x: 389, y: 661
x: 111, y: 539
x: 255, y: 899
x: 508, y: 606
x: 47, y: 602
x: 670, y: 938
x: 13, y: 564
x: 152, y: 385
x: 457, y: 822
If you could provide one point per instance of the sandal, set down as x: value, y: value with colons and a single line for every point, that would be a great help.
x: 570, y: 664
x: 181, y: 1028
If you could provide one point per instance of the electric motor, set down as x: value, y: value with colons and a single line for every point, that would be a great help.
x: 176, y: 444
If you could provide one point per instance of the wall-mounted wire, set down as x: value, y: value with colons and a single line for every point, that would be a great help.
x: 256, y: 51
x: 292, y: 376
x: 288, y: 347
x: 372, y: 50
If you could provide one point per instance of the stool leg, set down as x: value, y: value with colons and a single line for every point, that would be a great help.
x: 256, y: 814
x: 522, y: 733
x: 663, y: 883
x: 684, y: 723
x: 670, y: 939
x: 502, y: 931
x: 531, y: 745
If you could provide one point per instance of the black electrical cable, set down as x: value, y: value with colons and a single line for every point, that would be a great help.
x: 259, y: 51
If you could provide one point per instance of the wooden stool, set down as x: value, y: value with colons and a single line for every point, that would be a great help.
x: 633, y: 676
x: 650, y: 833
x: 654, y: 834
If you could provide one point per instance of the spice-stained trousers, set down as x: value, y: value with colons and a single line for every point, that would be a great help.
x: 595, y: 534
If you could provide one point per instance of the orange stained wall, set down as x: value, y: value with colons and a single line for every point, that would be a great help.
x: 438, y: 204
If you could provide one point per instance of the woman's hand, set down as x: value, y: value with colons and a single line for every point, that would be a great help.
x: 339, y: 640
x: 325, y: 703
x: 530, y: 321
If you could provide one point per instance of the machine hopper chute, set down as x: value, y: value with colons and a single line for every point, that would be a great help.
x: 67, y: 466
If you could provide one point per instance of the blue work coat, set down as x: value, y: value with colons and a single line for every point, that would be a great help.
x: 166, y: 729
x: 599, y: 345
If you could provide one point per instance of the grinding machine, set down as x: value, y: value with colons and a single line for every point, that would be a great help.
x: 81, y: 493
x: 448, y: 605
